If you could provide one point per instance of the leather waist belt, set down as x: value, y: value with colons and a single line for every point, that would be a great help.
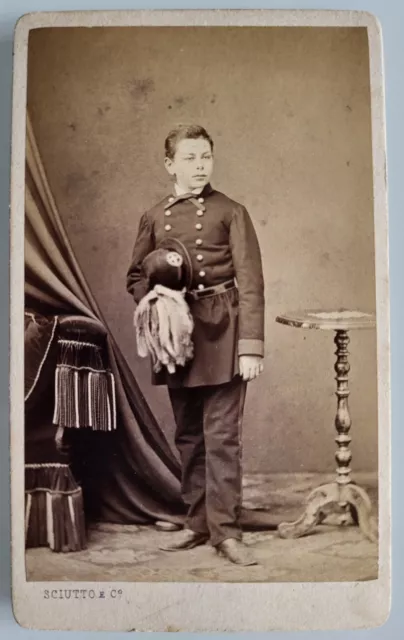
x: 212, y: 291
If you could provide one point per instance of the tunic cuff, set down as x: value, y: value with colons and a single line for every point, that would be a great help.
x: 250, y: 347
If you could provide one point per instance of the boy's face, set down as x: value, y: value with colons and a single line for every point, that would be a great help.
x: 192, y: 164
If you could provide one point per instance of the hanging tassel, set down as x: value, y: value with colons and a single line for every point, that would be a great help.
x: 76, y: 398
x: 112, y: 395
x: 50, y: 521
x: 164, y: 327
x: 28, y: 505
x: 90, y: 400
x: 57, y: 400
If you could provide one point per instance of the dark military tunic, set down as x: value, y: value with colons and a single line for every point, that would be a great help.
x: 220, y: 238
x: 207, y: 396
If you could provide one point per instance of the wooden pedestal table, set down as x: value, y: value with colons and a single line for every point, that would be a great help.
x: 343, y: 494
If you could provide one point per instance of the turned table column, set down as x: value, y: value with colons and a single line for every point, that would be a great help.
x: 342, y: 494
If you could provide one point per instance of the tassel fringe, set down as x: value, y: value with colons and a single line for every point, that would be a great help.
x: 54, y: 510
x: 84, y: 389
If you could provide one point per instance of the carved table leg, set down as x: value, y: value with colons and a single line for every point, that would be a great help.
x: 318, y: 499
x: 343, y: 422
x: 342, y: 494
x: 360, y: 501
x: 343, y: 455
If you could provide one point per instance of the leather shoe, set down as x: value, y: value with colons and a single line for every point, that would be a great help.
x: 236, y: 551
x: 186, y: 539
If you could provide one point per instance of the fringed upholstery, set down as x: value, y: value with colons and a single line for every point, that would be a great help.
x: 54, y: 511
x: 84, y: 389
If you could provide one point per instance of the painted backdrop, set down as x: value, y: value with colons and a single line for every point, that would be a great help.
x: 289, y: 110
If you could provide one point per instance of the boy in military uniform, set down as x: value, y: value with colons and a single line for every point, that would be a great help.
x: 226, y: 300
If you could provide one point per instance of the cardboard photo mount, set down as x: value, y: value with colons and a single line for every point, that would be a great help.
x: 199, y: 607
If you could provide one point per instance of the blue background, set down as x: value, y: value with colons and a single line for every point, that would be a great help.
x: 391, y: 17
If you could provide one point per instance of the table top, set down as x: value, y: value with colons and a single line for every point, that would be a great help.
x: 329, y: 319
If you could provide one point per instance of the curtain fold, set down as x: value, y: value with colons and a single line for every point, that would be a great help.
x: 139, y: 477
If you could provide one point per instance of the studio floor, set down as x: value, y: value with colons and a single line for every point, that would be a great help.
x: 130, y: 553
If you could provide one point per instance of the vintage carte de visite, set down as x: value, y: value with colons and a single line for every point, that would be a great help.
x: 200, y: 406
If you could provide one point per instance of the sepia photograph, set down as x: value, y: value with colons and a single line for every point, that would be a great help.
x: 201, y: 365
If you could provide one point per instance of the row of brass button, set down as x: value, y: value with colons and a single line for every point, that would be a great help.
x: 198, y: 241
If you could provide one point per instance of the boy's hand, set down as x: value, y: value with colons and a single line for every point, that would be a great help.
x: 250, y: 366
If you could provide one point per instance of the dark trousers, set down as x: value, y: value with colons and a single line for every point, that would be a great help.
x: 208, y: 437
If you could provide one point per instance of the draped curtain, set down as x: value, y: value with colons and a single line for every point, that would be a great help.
x: 139, y: 478
x: 137, y: 474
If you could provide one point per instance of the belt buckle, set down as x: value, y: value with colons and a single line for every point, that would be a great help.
x: 203, y: 292
x: 210, y: 291
x: 193, y: 293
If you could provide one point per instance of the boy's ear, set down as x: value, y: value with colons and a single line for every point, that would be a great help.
x: 168, y: 163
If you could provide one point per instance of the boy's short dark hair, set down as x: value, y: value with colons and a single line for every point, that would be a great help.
x: 184, y: 132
